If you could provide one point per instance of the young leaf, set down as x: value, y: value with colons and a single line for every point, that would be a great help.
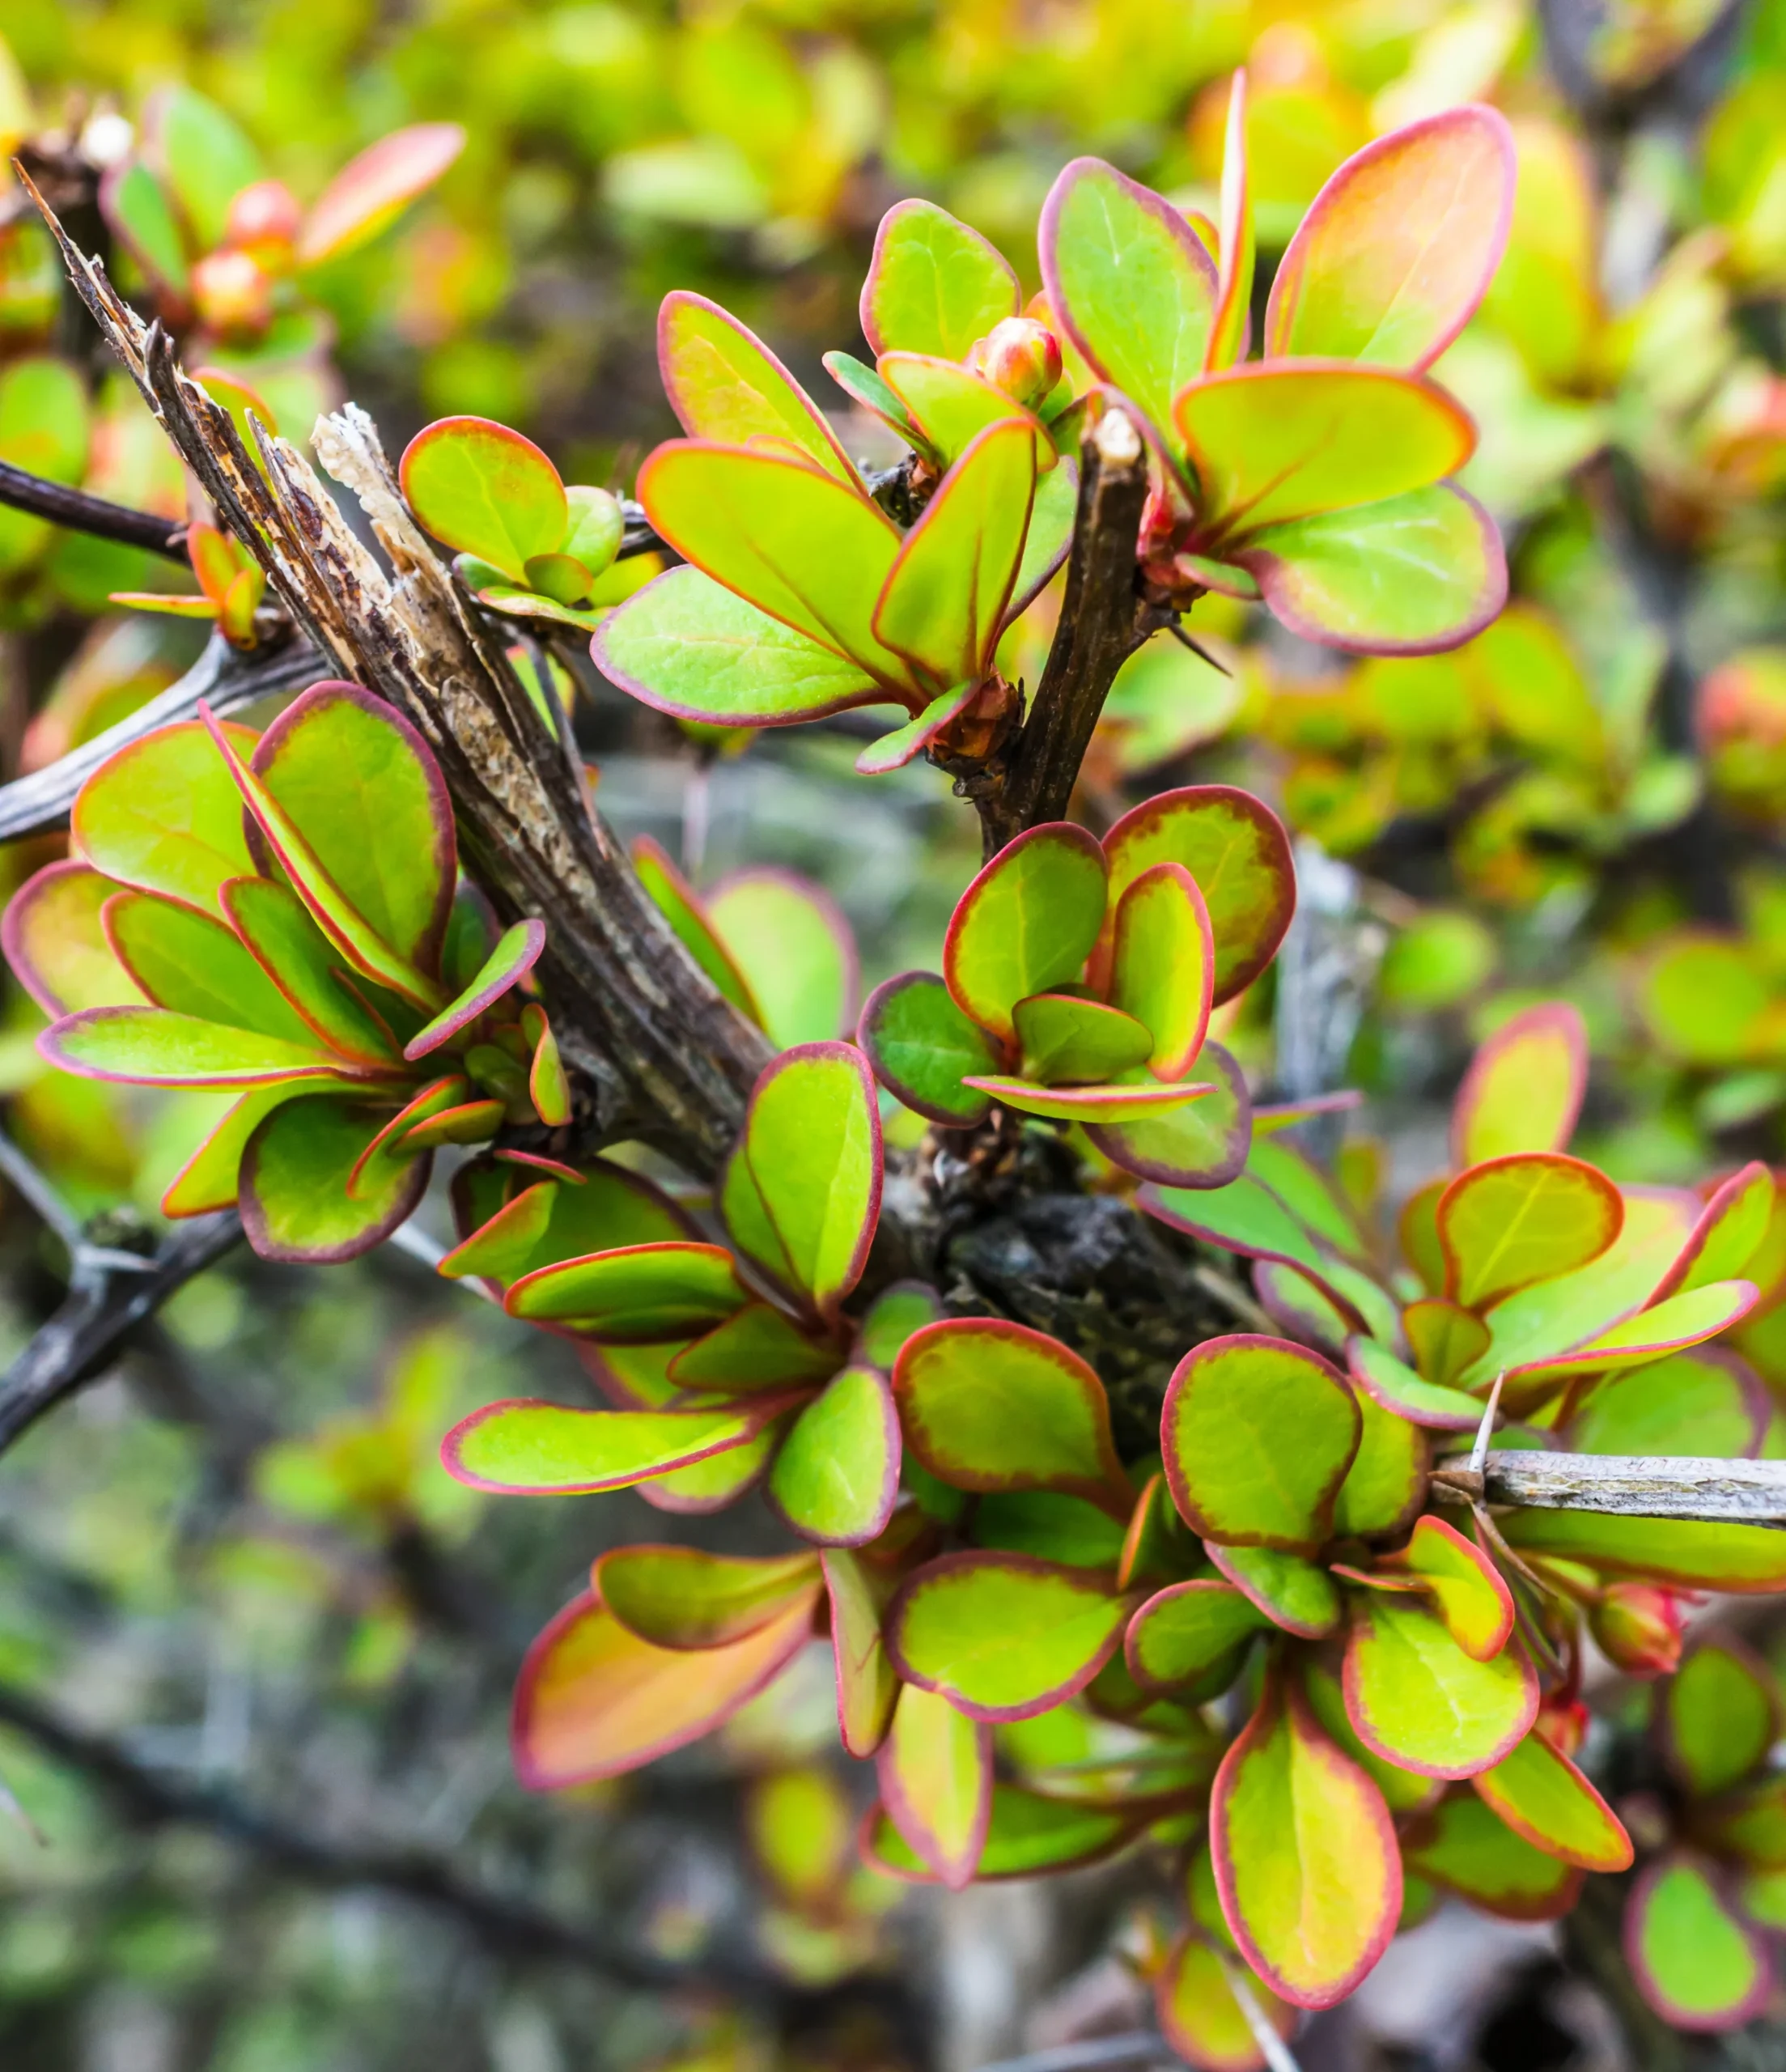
x: 1002, y: 1636
x: 895, y: 1314
x: 1542, y: 1795
x: 1232, y: 323
x: 1273, y: 444
x: 1444, y: 1339
x: 151, y: 1047
x: 1129, y: 282
x: 1200, y: 2018
x: 1257, y: 1434
x: 935, y: 1769
x: 304, y: 1196
x: 1729, y: 1231
x: 1066, y: 1041
x: 867, y: 1685
x: 837, y: 1477
x: 812, y: 1141
x: 1720, y: 1716
x: 923, y: 1047
x: 1688, y: 1553
x: 543, y: 1449
x: 759, y: 1348
x: 371, y: 190
x: 594, y: 1701
x: 1527, y: 1216
x: 933, y: 286
x: 1203, y: 1145
x: 1671, y: 1326
x: 53, y: 939
x: 364, y: 792
x: 1467, y: 1589
x: 1235, y: 848
x: 725, y: 383
x: 1399, y: 247
x: 1134, y: 1098
x: 954, y: 406
x: 485, y: 490
x: 1465, y: 1846
x: 787, y: 535
x: 1163, y: 964
x: 794, y: 947
x: 1026, y: 923
x: 516, y: 953
x: 678, y: 1597
x: 549, y: 1223
x: 1386, y: 1484
x: 687, y: 646
x: 1305, y: 1857
x: 1389, y: 1381
x: 1524, y: 1088
x: 1186, y: 1629
x: 275, y: 926
x: 638, y: 1293
x: 945, y: 596
x: 191, y: 965
x: 1417, y: 1700
x: 895, y: 749
x: 1700, y: 1967
x: 865, y: 387
x: 1050, y: 534
x: 1297, y: 1595
x: 162, y: 815
x: 1402, y: 1791
x: 1413, y: 574
x: 988, y: 1405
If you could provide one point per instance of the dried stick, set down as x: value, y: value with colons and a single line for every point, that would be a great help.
x: 75, y: 508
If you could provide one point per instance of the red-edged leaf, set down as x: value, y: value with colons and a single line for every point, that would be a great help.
x: 1417, y: 1700
x: 681, y: 1599
x: 867, y: 1686
x: 1527, y: 1216
x: 1163, y: 964
x: 369, y: 190
x: 1026, y: 923
x: 935, y: 1773
x: 53, y: 939
x: 1542, y: 1795
x: 1728, y: 1234
x: 1695, y: 1960
x: 725, y: 383
x: 1524, y: 1088
x: 525, y: 1448
x: 508, y: 964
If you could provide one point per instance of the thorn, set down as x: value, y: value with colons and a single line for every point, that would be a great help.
x: 1479, y: 1453
x: 1197, y: 648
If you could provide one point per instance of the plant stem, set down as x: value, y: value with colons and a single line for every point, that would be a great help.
x: 81, y: 513
x: 1739, y: 1491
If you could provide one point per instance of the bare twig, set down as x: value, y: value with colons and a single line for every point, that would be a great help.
x: 1737, y: 1492
x: 1132, y: 2047
x: 1272, y: 2047
x: 75, y: 508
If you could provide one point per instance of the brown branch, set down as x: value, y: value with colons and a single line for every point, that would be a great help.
x: 81, y: 513
x: 1744, y: 1492
x: 656, y: 1051
x: 1103, y: 620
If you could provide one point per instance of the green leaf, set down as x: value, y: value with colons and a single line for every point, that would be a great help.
x: 1696, y: 1963
x: 151, y: 1047
x: 749, y: 1225
x: 986, y: 1405
x: 1163, y: 964
x: 676, y: 898
x: 954, y: 406
x: 1706, y: 1404
x: 1002, y: 1636
x: 864, y: 386
x: 936, y: 1774
x: 1417, y: 1700
x: 725, y: 383
x: 1730, y: 1230
x: 1750, y: 1823
x: 138, y: 209
x: 1412, y: 575
x: 1305, y: 1857
x: 1542, y: 1795
x: 678, y: 1597
x: 1467, y: 1591
x: 922, y: 1047
x: 1070, y: 1529
x: 295, y: 1197
x: 206, y: 158
x: 1464, y: 1846
x: 867, y: 1685
x: 276, y: 928
x: 1068, y: 1041
x: 759, y: 1348
x: 1274, y: 444
x: 53, y: 939
x: 789, y: 538
x: 1524, y: 1088
x: 1129, y: 281
x: 1134, y: 1098
x: 837, y: 1477
x: 594, y: 1701
x: 1444, y: 1339
x: 542, y: 1449
x: 1293, y: 1593
x: 716, y: 1483
x: 1399, y: 247
x: 516, y: 952
x: 946, y: 595
x: 44, y: 430
x: 1720, y: 1716
x: 1026, y: 923
x: 1689, y: 1553
x: 1186, y: 1629
x: 934, y: 286
x: 812, y: 1141
x: 1671, y: 1326
x: 486, y: 490
x: 794, y: 947
x: 1310, y: 1197
x: 371, y: 189
x: 637, y: 1294
x: 363, y: 791
x: 894, y: 1315
x: 210, y: 1178
x: 1386, y: 1482
x: 1051, y: 519
x: 1257, y: 1434
x: 1528, y: 1217
x: 1235, y: 848
x: 1203, y: 1145
x: 192, y: 966
x: 553, y: 1221
x: 687, y: 646
x: 1389, y: 1381
x: 1402, y: 1791
x: 164, y: 815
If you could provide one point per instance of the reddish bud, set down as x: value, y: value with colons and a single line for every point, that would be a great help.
x: 1564, y: 1725
x: 233, y: 293
x: 1637, y: 1628
x: 1019, y: 356
x: 265, y: 215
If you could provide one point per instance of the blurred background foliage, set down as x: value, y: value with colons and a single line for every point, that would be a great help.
x: 282, y: 1835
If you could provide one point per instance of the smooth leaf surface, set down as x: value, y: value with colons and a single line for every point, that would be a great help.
x: 794, y: 947
x: 1202, y: 1144
x: 923, y: 1047
x: 371, y: 189
x: 1466, y: 1847
x: 1292, y: 1592
x: 1542, y: 1795
x: 934, y: 286
x: 275, y: 926
x: 1705, y: 1404
x: 1163, y: 964
x: 1719, y: 1715
x: 1026, y: 923
x: 867, y: 1683
x: 486, y: 490
x: 192, y: 965
x: 725, y: 383
x: 538, y: 1449
x: 1187, y: 1629
x: 516, y: 953
x: 1397, y: 1387
x: 935, y: 1770
x: 1064, y: 1040
x: 55, y: 943
x: 812, y: 1139
x: 305, y: 1195
x: 1524, y: 1088
x: 1416, y: 1699
x: 1524, y: 1217
x: 1131, y: 1098
x: 678, y: 1597
x: 1689, y: 1553
x: 837, y: 1477
x: 155, y: 1048
x: 1467, y: 1591
x: 1386, y: 1483
x: 637, y: 1292
x: 162, y: 815
x: 686, y: 913
x: 1699, y: 1966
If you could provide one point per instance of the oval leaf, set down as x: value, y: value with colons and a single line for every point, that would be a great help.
x: 1416, y: 1699
x: 1542, y: 1795
x: 725, y: 383
x: 1026, y: 923
x: 1524, y: 1217
x: 934, y: 286
x: 1524, y: 1088
x: 527, y: 1449
x: 678, y: 1597
x: 923, y: 1047
x: 837, y: 1477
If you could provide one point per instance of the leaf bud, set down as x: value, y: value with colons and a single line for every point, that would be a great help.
x: 233, y: 293
x: 1637, y: 1627
x: 264, y: 219
x: 1019, y: 356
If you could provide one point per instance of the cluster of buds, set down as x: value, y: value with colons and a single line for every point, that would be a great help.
x: 232, y: 286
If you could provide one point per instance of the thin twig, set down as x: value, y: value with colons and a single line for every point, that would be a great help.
x: 1735, y: 1492
x: 1272, y: 2047
x: 1133, y: 2047
x: 81, y: 513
